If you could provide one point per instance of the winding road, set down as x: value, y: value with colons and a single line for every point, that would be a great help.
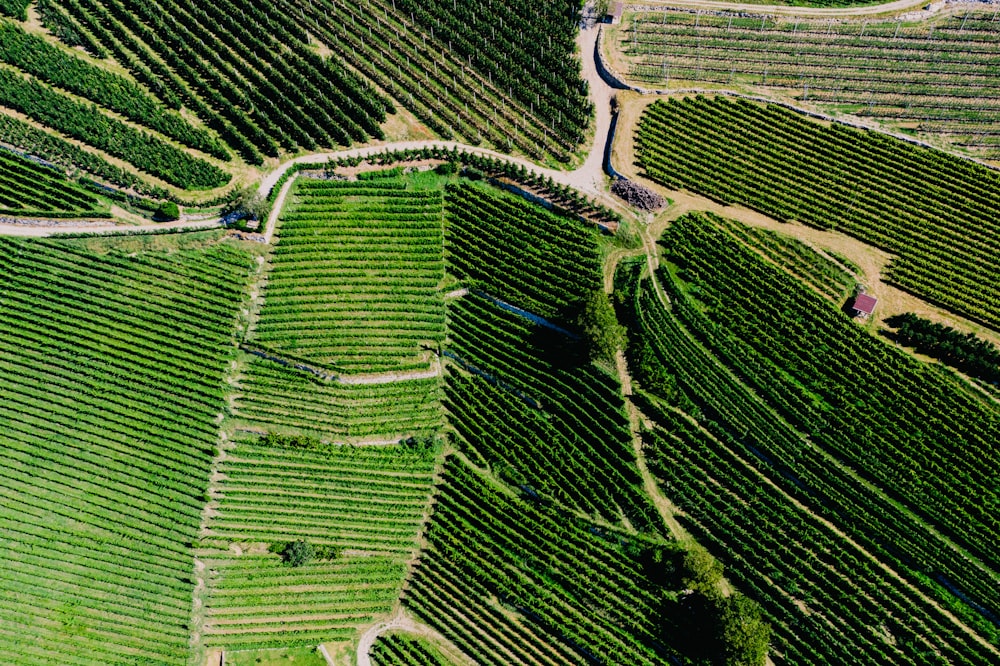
x: 588, y: 178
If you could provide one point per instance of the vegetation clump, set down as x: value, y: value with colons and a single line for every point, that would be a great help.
x: 168, y: 211
x: 963, y: 351
x: 603, y: 334
x: 301, y: 552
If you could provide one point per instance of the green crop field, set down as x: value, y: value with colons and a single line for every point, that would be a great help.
x: 111, y: 371
x: 354, y: 279
x: 402, y: 333
x: 31, y: 189
x: 936, y: 79
x: 367, y: 503
x: 811, y: 420
x: 934, y: 212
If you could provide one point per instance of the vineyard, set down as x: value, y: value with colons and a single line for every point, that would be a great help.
x: 465, y: 395
x: 935, y: 212
x: 365, y: 503
x: 288, y: 400
x: 510, y: 581
x: 28, y: 188
x: 111, y: 378
x: 353, y: 284
x: 404, y: 650
x: 164, y: 94
x: 937, y: 78
x: 836, y: 450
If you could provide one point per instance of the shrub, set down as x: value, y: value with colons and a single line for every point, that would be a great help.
x: 167, y: 210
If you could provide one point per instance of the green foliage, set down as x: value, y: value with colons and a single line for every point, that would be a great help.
x: 519, y: 252
x: 934, y: 211
x: 67, y: 29
x: 359, y: 508
x: 301, y: 552
x: 814, y: 60
x: 89, y: 124
x: 47, y: 146
x: 446, y: 169
x: 782, y: 407
x: 378, y: 259
x: 248, y: 203
x: 168, y: 210
x: 36, y: 56
x: 964, y: 351
x: 113, y: 363
x: 702, y: 572
x: 405, y: 650
x: 604, y: 335
x: 282, y: 397
x: 568, y: 590
x: 744, y: 634
x: 377, y: 174
x: 15, y: 9
x: 30, y: 189
x: 298, y: 552
x: 539, y: 414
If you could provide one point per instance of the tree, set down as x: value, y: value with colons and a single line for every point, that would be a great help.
x: 702, y: 572
x: 299, y: 552
x: 167, y: 210
x: 600, y: 327
x: 743, y: 632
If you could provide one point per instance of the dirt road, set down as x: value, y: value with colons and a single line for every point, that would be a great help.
x: 787, y: 10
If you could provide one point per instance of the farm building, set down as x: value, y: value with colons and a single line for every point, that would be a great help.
x: 863, y: 305
x: 614, y: 16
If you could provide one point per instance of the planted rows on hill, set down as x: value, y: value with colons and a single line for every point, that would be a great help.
x: 260, y: 100
x: 283, y: 399
x: 404, y: 650
x: 851, y: 440
x: 28, y: 188
x: 509, y: 581
x: 937, y: 213
x: 540, y: 414
x: 110, y: 374
x: 519, y: 252
x: 35, y: 56
x: 88, y: 124
x: 44, y: 145
x: 366, y: 503
x: 354, y: 277
x: 942, y: 78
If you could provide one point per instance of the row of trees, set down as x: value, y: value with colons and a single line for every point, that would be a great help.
x: 964, y: 351
x: 90, y: 125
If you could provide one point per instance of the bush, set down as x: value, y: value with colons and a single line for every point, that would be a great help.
x: 604, y: 335
x: 167, y: 210
x: 299, y: 552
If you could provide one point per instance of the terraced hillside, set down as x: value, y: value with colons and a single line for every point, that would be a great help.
x: 30, y: 188
x: 767, y: 438
x: 934, y: 212
x: 173, y: 97
x: 353, y: 284
x: 110, y: 375
x: 511, y: 581
x: 936, y: 78
x: 366, y: 504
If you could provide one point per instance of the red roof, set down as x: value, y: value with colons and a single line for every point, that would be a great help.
x: 864, y: 303
x: 617, y: 9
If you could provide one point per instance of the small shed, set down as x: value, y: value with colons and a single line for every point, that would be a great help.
x: 614, y: 16
x: 863, y: 305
